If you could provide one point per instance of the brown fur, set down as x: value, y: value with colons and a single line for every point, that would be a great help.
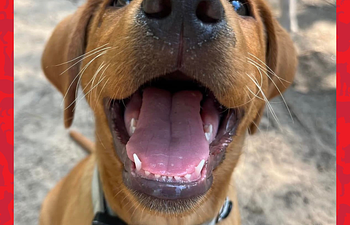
x: 93, y: 26
x: 84, y: 142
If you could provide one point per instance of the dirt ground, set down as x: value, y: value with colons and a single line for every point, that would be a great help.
x: 286, y: 174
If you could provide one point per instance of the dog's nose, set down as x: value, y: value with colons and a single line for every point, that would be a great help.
x: 206, y: 11
x: 156, y: 9
x: 198, y: 19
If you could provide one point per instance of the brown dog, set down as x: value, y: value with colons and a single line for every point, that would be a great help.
x: 174, y: 86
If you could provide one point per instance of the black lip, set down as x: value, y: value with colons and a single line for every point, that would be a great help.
x: 114, y: 110
x: 169, y: 191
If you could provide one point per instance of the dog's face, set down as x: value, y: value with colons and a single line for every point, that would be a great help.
x: 174, y: 85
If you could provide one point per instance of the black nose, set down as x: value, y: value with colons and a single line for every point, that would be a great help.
x: 207, y: 11
x: 157, y: 9
x: 198, y: 19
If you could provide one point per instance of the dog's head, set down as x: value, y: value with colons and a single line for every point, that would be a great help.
x: 174, y: 85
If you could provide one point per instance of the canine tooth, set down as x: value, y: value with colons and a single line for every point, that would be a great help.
x: 137, y: 162
x: 147, y: 173
x: 188, y: 176
x: 208, y: 130
x: 199, y: 168
x: 156, y: 175
x: 177, y: 178
x: 133, y: 124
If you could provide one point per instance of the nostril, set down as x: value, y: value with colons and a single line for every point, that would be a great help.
x: 156, y: 9
x: 210, y: 11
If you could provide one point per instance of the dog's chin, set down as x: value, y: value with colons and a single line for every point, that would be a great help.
x: 173, y: 133
x: 168, y: 207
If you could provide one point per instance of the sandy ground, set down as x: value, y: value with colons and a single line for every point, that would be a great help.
x: 287, y: 171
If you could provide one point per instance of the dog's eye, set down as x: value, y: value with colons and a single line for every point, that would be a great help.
x: 240, y: 7
x: 120, y: 3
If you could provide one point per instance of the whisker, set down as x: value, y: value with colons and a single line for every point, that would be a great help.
x: 284, y: 101
x: 94, y: 78
x: 104, y: 49
x: 72, y: 60
x: 102, y: 87
x: 255, y: 95
x: 86, y: 93
x: 78, y: 75
x: 269, y: 69
x: 266, y: 100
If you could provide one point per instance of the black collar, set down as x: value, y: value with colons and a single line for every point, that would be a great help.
x: 105, y: 216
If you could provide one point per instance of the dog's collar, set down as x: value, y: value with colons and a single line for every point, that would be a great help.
x: 104, y: 215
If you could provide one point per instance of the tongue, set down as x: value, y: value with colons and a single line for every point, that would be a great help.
x: 169, y: 138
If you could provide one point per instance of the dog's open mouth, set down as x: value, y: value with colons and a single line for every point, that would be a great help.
x: 171, y: 134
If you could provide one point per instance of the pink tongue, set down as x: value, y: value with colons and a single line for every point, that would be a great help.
x: 169, y: 138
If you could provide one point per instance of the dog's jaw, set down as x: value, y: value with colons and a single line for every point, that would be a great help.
x: 171, y: 155
x: 137, y: 208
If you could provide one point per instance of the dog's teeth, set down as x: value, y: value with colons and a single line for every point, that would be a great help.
x: 188, y: 176
x: 208, y: 131
x: 164, y: 177
x: 177, y: 178
x: 137, y: 162
x: 133, y: 124
x: 147, y: 173
x: 170, y: 178
x: 199, y: 168
x: 156, y: 175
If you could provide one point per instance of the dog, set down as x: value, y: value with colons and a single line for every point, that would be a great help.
x: 175, y: 87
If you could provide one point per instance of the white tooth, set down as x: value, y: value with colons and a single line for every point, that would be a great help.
x: 199, y: 168
x: 164, y: 177
x: 133, y: 124
x: 147, y: 173
x: 177, y: 178
x: 137, y: 162
x: 208, y: 130
x: 156, y: 175
x: 188, y: 176
x: 170, y: 178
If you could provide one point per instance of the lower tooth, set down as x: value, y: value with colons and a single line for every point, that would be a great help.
x: 177, y: 178
x: 147, y: 173
x: 188, y: 176
x: 156, y: 175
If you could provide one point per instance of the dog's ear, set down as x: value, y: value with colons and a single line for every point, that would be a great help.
x: 60, y: 60
x: 281, y: 59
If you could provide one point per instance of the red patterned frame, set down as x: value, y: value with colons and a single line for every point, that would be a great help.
x: 343, y: 112
x: 6, y: 112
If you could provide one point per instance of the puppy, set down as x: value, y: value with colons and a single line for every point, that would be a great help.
x: 174, y: 86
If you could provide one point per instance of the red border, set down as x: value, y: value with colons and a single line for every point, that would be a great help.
x: 6, y: 112
x: 343, y: 112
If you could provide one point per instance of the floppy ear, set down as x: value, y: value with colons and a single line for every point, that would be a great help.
x: 281, y: 59
x: 67, y: 42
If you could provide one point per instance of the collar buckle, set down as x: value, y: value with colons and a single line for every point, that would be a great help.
x: 225, y: 210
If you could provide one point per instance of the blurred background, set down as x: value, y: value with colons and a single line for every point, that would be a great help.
x: 286, y: 174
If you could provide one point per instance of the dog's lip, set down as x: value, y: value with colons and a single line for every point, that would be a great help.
x: 163, y: 189
x: 166, y: 190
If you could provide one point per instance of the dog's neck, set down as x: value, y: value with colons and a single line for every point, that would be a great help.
x: 104, y: 215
